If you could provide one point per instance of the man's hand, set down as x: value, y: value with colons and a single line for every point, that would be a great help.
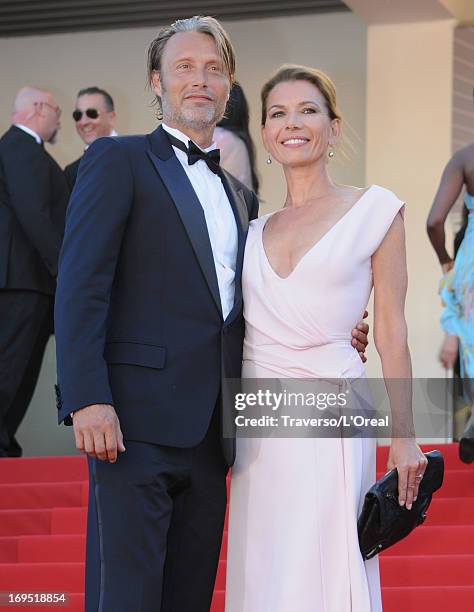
x: 97, y: 431
x: 360, y: 338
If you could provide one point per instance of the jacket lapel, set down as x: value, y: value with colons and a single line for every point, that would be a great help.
x: 188, y: 206
x: 239, y: 208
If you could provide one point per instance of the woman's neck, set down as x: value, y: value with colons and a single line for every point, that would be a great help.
x: 306, y: 183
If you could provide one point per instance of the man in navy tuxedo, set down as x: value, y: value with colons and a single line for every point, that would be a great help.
x: 148, y: 323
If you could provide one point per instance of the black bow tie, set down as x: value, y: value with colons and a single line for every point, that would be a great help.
x: 194, y: 153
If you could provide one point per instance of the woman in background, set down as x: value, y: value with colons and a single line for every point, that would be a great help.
x: 457, y: 292
x: 233, y: 138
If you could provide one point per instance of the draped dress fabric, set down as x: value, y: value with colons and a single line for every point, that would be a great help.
x: 294, y: 503
x: 458, y: 297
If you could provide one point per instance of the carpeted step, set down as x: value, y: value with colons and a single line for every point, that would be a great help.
x: 427, y: 599
x: 52, y: 549
x: 406, y: 599
x: 43, y: 549
x: 68, y: 521
x: 417, y: 570
x: 43, y: 469
x: 41, y: 495
x: 435, y: 540
x: 451, y: 511
x: 8, y: 550
x: 426, y: 570
x: 42, y: 577
x: 23, y: 522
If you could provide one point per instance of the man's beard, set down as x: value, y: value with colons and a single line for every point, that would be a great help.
x: 194, y: 119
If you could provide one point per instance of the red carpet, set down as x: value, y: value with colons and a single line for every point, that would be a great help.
x: 42, y: 538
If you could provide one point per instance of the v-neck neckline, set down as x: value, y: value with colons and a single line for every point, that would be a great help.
x: 313, y: 247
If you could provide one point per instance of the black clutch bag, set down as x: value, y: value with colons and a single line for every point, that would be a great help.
x: 383, y: 521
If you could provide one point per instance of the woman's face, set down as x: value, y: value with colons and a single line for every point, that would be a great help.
x: 298, y: 129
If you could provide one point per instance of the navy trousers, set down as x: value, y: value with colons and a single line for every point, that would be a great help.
x: 155, y: 525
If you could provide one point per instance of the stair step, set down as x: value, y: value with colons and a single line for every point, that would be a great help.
x: 68, y: 521
x: 23, y: 522
x: 426, y: 570
x: 41, y: 495
x: 451, y: 511
x: 42, y: 577
x: 44, y: 469
x: 421, y: 599
x: 414, y: 571
x: 43, y: 549
x: 435, y: 540
x: 405, y: 599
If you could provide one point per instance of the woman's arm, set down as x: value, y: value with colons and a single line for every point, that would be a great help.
x: 390, y: 335
x: 450, y: 186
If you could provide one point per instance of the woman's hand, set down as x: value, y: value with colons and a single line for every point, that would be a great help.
x: 449, y: 351
x: 407, y: 457
x: 446, y: 267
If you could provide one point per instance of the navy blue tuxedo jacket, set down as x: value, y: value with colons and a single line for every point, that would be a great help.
x: 138, y: 317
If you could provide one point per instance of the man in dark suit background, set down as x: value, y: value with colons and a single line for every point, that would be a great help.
x: 33, y: 200
x: 94, y: 116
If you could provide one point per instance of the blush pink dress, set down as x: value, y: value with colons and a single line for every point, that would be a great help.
x: 294, y: 503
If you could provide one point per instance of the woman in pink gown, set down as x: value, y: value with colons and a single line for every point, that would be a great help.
x: 308, y: 274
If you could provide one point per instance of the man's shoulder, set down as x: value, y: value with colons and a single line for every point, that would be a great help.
x: 132, y: 141
x: 17, y: 147
x: 16, y: 137
x: 131, y: 144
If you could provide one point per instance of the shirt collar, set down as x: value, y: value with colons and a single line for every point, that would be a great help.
x: 185, y: 139
x: 29, y: 131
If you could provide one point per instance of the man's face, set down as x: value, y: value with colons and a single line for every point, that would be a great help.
x: 193, y: 84
x: 91, y: 129
x: 48, y: 118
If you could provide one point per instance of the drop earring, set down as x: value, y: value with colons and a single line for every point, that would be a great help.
x: 331, y: 153
x: 269, y: 160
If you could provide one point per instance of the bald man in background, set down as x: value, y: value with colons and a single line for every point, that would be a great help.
x: 33, y: 200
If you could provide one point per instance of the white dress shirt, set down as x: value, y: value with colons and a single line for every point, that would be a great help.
x: 29, y: 131
x: 220, y: 220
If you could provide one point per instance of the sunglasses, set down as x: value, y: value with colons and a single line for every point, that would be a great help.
x: 92, y: 113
